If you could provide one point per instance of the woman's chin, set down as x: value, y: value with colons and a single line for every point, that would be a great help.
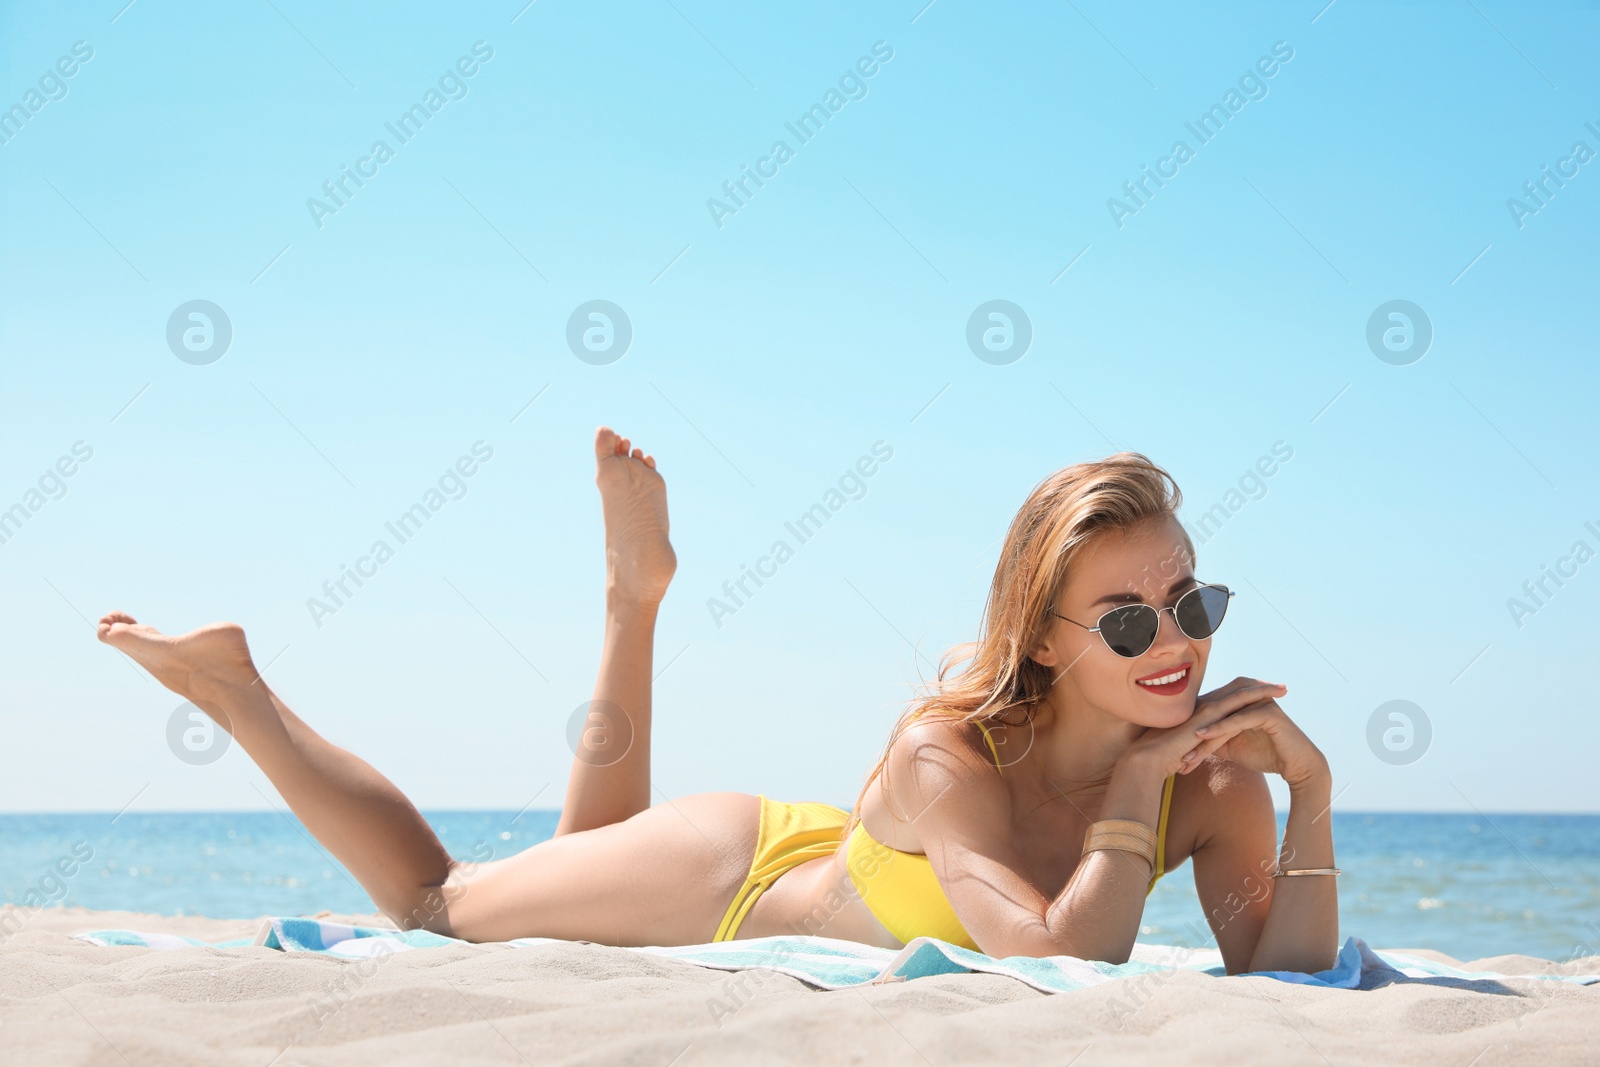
x: 1163, y: 713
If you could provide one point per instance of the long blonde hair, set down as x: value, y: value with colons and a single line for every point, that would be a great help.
x: 1062, y: 514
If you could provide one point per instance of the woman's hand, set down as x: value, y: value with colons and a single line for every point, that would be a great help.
x: 1241, y: 722
x: 1258, y: 736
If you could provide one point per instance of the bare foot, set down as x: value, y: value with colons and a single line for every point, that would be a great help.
x: 195, y: 665
x: 640, y: 561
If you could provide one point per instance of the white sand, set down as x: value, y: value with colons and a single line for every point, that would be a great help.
x: 64, y: 1001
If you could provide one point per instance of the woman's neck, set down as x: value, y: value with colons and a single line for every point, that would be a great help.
x: 1076, y: 745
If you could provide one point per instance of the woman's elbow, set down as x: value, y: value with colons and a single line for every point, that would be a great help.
x: 1041, y: 942
x: 1032, y: 938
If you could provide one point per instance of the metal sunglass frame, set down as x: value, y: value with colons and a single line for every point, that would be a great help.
x: 1173, y: 607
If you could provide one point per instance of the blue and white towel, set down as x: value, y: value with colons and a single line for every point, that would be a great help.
x: 829, y: 963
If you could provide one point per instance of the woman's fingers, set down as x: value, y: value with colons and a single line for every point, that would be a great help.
x: 1239, y: 695
x: 1243, y: 719
x: 1197, y: 731
x: 1216, y: 735
x: 1233, y: 694
x: 1215, y: 710
x: 1238, y: 684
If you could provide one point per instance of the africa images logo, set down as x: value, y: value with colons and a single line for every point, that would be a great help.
x: 1252, y: 85
x: 452, y: 85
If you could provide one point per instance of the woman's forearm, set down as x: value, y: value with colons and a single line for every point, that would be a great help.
x: 1302, y: 928
x: 1096, y: 916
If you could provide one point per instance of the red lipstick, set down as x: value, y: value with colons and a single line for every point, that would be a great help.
x: 1172, y: 688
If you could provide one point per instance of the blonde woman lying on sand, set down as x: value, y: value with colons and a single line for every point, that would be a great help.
x: 1024, y: 807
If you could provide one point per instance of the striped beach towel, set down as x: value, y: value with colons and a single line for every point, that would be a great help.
x: 829, y: 963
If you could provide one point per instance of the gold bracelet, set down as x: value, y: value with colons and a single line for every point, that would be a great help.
x: 1128, y: 835
x: 1308, y: 870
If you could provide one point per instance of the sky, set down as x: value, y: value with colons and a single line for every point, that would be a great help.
x: 270, y: 272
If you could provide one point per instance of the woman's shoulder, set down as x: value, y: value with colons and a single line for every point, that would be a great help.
x: 957, y: 743
x: 1217, y: 794
x: 929, y: 756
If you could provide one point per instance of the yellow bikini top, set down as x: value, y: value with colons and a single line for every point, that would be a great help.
x: 901, y: 890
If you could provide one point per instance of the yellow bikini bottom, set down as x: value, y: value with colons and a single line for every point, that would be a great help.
x: 789, y: 835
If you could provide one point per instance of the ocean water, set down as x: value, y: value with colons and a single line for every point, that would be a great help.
x: 1469, y: 885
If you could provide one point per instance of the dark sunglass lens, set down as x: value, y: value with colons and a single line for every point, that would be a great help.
x: 1130, y: 631
x: 1200, y: 611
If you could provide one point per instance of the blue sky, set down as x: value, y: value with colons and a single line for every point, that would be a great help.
x: 373, y: 346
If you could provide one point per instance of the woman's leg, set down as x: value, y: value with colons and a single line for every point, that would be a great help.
x: 357, y: 813
x: 661, y: 877
x: 370, y: 826
x: 610, y: 779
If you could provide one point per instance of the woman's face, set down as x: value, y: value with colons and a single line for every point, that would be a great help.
x: 1152, y: 565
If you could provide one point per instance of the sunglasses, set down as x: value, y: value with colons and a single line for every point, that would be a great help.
x: 1131, y: 629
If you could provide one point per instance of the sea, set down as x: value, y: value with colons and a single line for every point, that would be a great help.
x: 1471, y: 885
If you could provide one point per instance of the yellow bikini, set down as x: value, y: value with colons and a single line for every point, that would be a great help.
x: 899, y: 888
x: 789, y: 835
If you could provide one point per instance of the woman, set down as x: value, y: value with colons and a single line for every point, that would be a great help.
x: 1024, y: 807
